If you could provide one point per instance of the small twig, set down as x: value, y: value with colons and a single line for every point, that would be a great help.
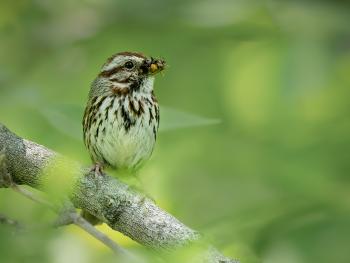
x: 31, y: 196
x: 85, y: 225
x: 8, y: 221
x: 70, y: 216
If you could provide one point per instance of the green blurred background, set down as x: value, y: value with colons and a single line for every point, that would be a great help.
x: 255, y: 119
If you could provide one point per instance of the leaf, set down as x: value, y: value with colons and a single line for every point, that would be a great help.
x: 67, y: 119
x: 172, y: 119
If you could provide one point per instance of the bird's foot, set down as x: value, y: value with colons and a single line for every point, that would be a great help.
x: 98, y: 170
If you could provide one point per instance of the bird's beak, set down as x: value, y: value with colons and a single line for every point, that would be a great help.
x: 152, y: 66
x: 156, y: 65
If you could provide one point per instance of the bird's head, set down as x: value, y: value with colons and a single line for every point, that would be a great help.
x: 127, y: 72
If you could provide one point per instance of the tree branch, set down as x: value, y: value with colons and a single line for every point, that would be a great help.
x: 105, y: 197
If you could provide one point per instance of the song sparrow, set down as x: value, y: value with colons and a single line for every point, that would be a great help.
x: 121, y: 118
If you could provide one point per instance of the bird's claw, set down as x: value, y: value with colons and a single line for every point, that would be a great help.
x: 98, y: 170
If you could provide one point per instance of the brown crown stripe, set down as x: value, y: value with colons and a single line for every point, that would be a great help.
x: 127, y: 53
x: 108, y: 73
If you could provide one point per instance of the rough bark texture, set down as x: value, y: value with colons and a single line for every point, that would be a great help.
x: 104, y: 197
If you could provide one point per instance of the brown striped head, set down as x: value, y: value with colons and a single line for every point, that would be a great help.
x: 127, y: 72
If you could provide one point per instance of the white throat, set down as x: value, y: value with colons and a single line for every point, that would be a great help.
x: 147, y: 85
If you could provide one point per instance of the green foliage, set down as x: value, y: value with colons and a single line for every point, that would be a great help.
x: 264, y: 175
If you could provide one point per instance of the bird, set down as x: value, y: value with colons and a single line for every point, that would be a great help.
x: 121, y: 118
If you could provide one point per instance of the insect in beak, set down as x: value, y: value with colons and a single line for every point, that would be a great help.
x: 156, y: 65
x: 153, y: 68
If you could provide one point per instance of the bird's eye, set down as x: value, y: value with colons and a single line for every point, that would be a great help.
x: 129, y: 65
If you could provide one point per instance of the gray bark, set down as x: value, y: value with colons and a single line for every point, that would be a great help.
x: 105, y: 197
